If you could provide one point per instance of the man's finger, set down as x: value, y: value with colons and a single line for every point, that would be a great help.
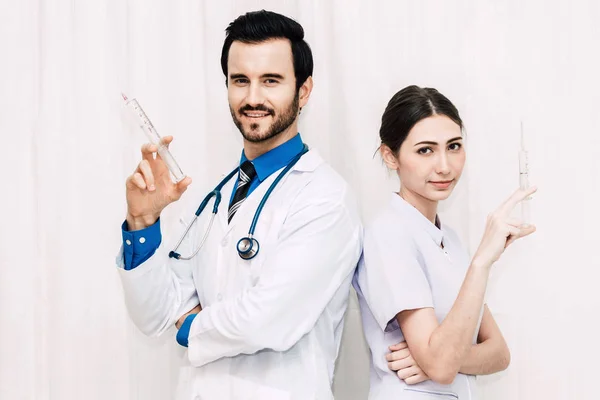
x: 138, y: 181
x: 183, y: 184
x: 166, y: 140
x: 148, y: 150
x: 146, y: 171
x: 181, y: 319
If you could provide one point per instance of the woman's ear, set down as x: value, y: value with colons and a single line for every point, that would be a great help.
x: 389, y: 158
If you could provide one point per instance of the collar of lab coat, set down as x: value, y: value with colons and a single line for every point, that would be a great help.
x: 415, y: 217
x: 309, y: 162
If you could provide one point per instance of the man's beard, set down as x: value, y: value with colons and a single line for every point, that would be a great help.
x: 280, y: 123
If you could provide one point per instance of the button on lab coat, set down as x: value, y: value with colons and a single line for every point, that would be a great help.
x: 270, y: 327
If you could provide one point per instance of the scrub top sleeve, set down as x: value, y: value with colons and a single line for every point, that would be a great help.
x: 391, y: 277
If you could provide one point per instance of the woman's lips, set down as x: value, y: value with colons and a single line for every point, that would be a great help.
x: 442, y: 184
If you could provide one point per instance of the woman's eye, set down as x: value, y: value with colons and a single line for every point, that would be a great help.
x: 455, y: 146
x: 425, y: 150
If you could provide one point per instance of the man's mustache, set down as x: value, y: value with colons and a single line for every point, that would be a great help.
x: 260, y: 107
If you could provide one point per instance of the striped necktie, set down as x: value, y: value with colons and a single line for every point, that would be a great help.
x: 247, y: 173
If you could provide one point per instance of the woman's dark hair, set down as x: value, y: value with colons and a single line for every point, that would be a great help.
x: 409, y: 106
x: 260, y: 26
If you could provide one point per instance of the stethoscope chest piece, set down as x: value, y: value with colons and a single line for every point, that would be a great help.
x: 248, y: 247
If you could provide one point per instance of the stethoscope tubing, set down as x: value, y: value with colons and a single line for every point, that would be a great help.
x: 254, y: 246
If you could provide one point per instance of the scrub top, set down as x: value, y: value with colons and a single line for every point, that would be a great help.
x: 408, y: 263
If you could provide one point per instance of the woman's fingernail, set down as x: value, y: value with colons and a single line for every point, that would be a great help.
x: 151, y: 187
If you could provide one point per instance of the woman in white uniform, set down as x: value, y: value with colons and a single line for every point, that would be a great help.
x: 421, y: 297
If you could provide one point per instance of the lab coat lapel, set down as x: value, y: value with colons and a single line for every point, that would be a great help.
x: 224, y: 206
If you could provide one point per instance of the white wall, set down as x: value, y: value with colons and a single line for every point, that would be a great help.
x: 64, y: 332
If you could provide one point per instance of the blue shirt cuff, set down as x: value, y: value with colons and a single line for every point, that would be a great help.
x: 138, y: 246
x: 184, y: 331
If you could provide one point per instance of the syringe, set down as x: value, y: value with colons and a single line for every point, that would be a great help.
x: 155, y: 138
x: 524, y: 179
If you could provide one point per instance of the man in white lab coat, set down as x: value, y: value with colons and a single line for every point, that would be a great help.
x: 268, y: 327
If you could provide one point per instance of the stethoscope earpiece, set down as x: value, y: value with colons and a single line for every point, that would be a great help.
x: 248, y: 247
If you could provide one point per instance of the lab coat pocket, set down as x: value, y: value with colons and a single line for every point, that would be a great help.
x: 429, y: 394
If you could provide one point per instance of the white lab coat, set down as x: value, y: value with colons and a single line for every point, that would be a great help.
x: 270, y: 327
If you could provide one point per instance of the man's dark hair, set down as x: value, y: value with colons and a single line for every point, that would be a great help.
x: 261, y: 26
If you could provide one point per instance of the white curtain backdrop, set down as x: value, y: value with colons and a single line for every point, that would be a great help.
x: 67, y: 149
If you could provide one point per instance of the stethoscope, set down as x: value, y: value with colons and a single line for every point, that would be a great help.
x: 247, y: 247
